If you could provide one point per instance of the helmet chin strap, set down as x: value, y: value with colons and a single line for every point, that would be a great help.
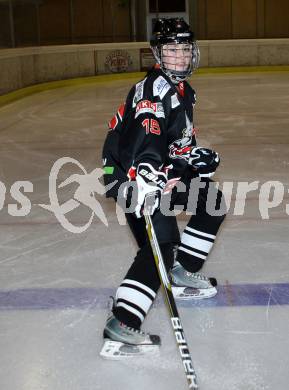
x: 174, y: 76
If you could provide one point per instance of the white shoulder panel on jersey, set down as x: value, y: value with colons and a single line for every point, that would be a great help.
x: 175, y: 101
x: 160, y: 87
x: 139, y: 87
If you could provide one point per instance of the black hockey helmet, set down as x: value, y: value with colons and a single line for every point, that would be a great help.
x: 174, y: 30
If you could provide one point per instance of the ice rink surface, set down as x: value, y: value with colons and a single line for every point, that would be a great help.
x: 55, y: 284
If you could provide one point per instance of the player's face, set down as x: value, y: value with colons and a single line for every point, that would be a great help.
x: 177, y: 56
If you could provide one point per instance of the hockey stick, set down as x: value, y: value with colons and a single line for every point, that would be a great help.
x: 175, y: 318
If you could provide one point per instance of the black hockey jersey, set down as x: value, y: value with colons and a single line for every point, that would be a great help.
x: 155, y: 125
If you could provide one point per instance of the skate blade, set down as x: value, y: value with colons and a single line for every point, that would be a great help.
x: 193, y: 293
x: 116, y: 350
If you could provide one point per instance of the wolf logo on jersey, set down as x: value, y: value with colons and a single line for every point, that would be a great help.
x: 181, y: 148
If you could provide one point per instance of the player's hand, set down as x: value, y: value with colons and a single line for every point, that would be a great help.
x: 150, y: 185
x: 204, y: 161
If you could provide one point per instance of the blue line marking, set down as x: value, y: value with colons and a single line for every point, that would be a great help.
x: 237, y: 295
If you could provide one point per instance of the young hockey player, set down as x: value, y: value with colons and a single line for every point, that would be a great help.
x: 152, y: 143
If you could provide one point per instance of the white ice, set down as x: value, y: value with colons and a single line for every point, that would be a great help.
x: 234, y: 347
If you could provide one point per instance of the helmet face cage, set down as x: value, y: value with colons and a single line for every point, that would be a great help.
x: 175, y: 49
x: 179, y: 60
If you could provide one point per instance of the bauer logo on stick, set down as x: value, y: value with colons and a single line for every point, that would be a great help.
x: 185, y: 354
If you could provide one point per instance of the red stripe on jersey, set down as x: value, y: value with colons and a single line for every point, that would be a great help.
x: 121, y: 110
x: 113, y: 123
x: 181, y: 89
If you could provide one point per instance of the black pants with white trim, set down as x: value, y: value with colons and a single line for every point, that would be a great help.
x: 138, y: 290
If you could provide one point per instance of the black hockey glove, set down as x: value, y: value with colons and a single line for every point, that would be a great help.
x: 204, y: 161
x: 150, y: 183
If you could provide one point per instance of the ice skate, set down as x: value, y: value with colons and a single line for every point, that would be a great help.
x: 188, y: 285
x: 121, y: 341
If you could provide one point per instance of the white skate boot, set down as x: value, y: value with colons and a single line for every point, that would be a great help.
x: 188, y: 285
x: 122, y: 341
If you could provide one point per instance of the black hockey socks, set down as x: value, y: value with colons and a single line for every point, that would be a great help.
x: 197, y: 241
x: 138, y: 290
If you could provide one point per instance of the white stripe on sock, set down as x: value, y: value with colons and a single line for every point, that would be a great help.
x: 181, y: 248
x: 199, y: 232
x: 138, y: 284
x: 134, y: 296
x: 196, y: 243
x: 132, y: 310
